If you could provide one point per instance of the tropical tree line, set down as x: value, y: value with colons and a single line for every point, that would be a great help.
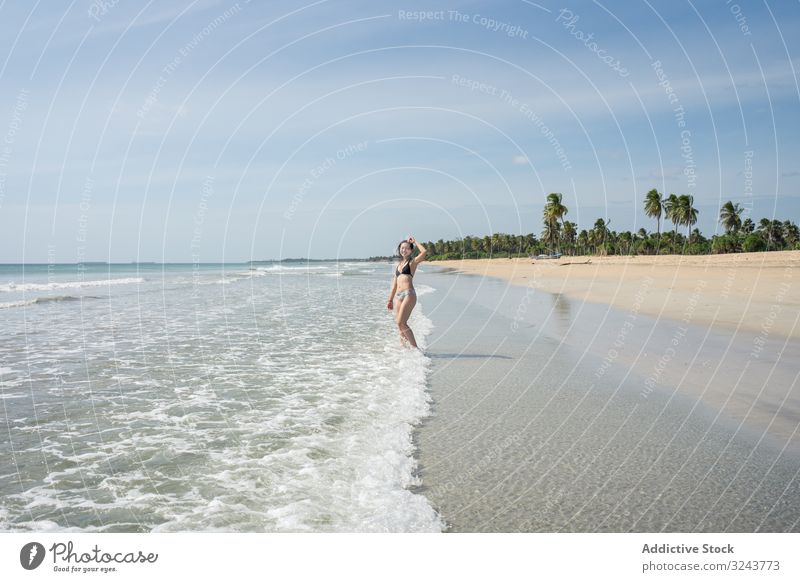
x: 562, y: 236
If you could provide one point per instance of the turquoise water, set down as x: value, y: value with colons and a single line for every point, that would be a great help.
x: 150, y: 397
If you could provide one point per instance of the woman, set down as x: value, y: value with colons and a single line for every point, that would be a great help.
x: 402, y: 288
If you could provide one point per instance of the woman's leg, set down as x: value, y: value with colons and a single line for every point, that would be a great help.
x: 398, y: 302
x: 403, y: 313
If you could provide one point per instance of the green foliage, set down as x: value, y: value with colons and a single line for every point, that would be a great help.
x: 565, y: 236
x: 754, y: 243
x: 727, y: 243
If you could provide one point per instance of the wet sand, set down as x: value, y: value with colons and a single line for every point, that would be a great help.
x: 556, y: 414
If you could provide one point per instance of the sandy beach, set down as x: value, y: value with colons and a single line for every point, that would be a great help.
x: 747, y: 291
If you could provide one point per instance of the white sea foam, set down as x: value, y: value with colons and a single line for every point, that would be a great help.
x: 13, y: 287
x: 40, y: 300
x: 423, y: 289
x: 330, y: 269
x: 22, y: 303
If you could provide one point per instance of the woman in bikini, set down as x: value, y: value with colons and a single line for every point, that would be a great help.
x: 402, y: 288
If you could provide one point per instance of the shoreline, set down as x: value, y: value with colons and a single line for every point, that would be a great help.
x: 753, y: 292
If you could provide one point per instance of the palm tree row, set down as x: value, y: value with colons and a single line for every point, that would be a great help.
x: 562, y: 235
x: 678, y: 209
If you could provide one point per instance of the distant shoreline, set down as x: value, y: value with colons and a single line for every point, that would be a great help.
x: 258, y: 262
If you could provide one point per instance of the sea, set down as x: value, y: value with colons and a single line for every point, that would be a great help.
x: 254, y: 397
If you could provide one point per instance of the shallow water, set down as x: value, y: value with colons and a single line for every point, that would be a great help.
x: 533, y: 429
x: 211, y: 397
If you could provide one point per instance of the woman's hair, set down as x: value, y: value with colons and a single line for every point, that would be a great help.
x: 408, y: 243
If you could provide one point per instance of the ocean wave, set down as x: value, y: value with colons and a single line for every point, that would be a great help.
x: 13, y: 287
x: 275, y: 268
x: 224, y: 280
x: 357, y: 272
x: 38, y: 300
x: 335, y: 270
x: 424, y: 289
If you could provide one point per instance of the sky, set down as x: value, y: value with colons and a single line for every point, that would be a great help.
x: 209, y: 131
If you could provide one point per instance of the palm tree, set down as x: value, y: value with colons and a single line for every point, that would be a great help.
x: 771, y: 231
x: 530, y: 242
x: 496, y: 247
x: 791, y: 234
x: 591, y: 240
x: 550, y: 232
x: 776, y: 233
x: 730, y: 216
x: 763, y: 229
x: 654, y: 207
x: 688, y: 213
x: 671, y: 210
x: 626, y: 239
x: 600, y: 230
x: 583, y: 241
x: 641, y: 235
x: 553, y: 211
x: 557, y: 209
x: 506, y: 242
x: 475, y: 246
x: 570, y: 233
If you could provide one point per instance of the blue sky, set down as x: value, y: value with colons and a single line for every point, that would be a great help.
x: 217, y: 130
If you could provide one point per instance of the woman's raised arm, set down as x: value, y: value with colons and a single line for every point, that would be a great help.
x: 423, y: 252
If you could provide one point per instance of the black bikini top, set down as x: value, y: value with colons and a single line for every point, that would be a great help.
x: 406, y: 270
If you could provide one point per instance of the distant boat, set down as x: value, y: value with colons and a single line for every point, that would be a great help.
x: 553, y: 256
